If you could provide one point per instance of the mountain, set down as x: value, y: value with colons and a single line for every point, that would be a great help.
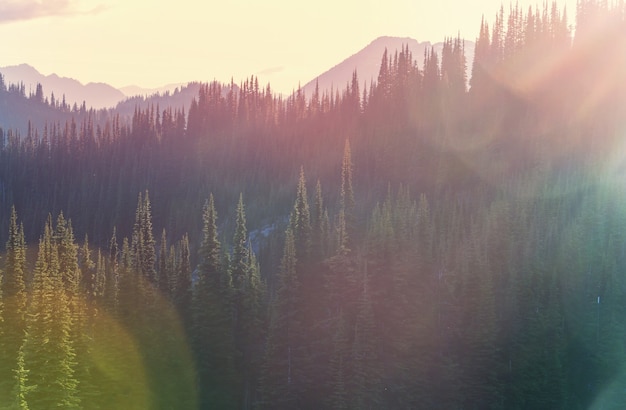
x: 367, y: 61
x: 96, y: 95
x: 133, y: 90
x: 180, y: 97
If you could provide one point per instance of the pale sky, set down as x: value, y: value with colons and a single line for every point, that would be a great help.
x: 151, y: 43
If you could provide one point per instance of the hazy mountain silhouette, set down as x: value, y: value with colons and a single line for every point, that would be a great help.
x: 124, y: 100
x: 96, y: 95
x: 179, y: 97
x: 367, y: 62
x: 134, y: 90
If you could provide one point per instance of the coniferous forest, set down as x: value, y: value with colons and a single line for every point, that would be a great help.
x: 441, y: 237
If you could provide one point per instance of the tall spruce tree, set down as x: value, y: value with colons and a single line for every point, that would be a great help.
x: 282, y: 368
x: 163, y: 272
x: 318, y: 227
x: 14, y: 298
x: 300, y: 222
x: 347, y: 205
x: 212, y: 333
x: 48, y: 351
x: 242, y: 293
x: 182, y: 295
x: 338, y: 367
x: 112, y: 279
x: 366, y: 374
x: 143, y: 250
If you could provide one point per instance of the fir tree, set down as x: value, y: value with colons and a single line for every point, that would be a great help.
x: 282, y: 372
x: 143, y: 251
x: 13, y: 297
x: 212, y: 320
x: 163, y: 272
x: 347, y: 204
x: 112, y: 279
x: 338, y: 366
x: 48, y: 351
x: 243, y: 294
x: 300, y: 221
x: 365, y: 382
x: 182, y: 295
x: 318, y: 228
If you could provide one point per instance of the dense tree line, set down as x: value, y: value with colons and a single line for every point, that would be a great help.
x: 408, y: 243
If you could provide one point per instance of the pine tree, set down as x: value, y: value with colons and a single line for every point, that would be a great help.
x: 13, y: 297
x: 182, y: 296
x: 212, y: 333
x: 163, y: 272
x: 480, y: 361
x: 300, y: 222
x: 128, y: 287
x: 48, y: 352
x: 71, y: 275
x: 243, y: 317
x: 347, y: 204
x: 171, y: 267
x: 318, y: 235
x: 21, y: 389
x: 112, y: 279
x: 282, y: 369
x: 338, y: 366
x: 240, y: 258
x: 143, y: 251
x: 365, y: 383
x: 87, y: 270
x: 83, y: 329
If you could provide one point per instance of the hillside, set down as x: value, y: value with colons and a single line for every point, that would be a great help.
x: 418, y: 243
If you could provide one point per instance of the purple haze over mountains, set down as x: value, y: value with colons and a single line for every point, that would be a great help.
x: 102, y: 95
x: 367, y: 62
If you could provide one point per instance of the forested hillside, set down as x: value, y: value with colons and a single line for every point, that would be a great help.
x: 424, y: 242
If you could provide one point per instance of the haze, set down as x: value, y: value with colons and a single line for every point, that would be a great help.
x: 283, y: 42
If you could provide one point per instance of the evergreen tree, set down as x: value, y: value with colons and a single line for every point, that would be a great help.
x: 48, y: 351
x: 13, y: 298
x: 112, y: 279
x: 300, y: 222
x: 164, y: 273
x: 338, y: 366
x: 282, y: 372
x: 239, y: 260
x: 365, y: 382
x: 318, y: 227
x: 182, y: 296
x: 347, y: 204
x: 245, y: 299
x: 143, y: 251
x: 213, y: 340
x: 87, y: 270
x: 71, y: 275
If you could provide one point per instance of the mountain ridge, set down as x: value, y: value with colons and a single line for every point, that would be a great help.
x: 94, y: 94
x: 367, y: 60
x: 99, y: 95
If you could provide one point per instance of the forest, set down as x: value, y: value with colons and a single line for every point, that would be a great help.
x: 442, y: 237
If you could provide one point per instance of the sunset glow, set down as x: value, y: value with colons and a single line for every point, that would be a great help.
x: 149, y: 43
x: 334, y: 205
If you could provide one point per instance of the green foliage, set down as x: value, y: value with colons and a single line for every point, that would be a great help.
x: 213, y: 338
x: 491, y: 279
x: 13, y: 299
x: 48, y: 350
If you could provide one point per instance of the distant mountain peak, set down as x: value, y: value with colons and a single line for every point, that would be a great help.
x: 96, y: 95
x: 367, y: 61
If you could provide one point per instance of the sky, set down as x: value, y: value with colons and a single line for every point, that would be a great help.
x: 151, y: 43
